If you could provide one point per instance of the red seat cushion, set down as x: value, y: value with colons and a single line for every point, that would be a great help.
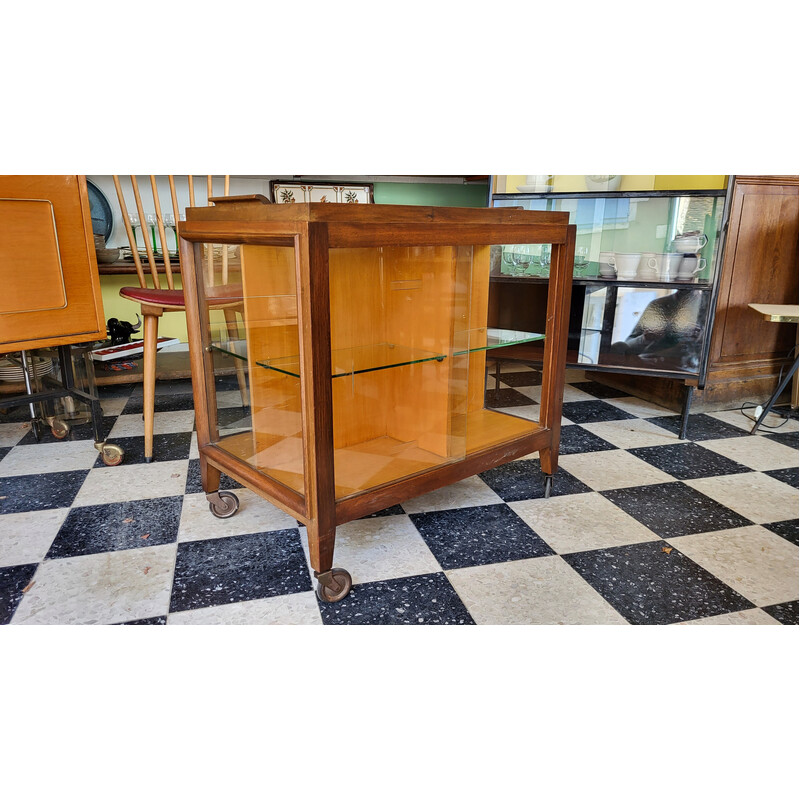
x: 153, y: 297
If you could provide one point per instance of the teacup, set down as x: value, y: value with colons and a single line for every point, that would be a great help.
x: 627, y: 264
x: 689, y: 267
x: 608, y: 267
x: 668, y: 264
x: 648, y: 269
x: 690, y: 244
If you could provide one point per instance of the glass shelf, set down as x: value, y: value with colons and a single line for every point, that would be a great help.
x: 371, y: 358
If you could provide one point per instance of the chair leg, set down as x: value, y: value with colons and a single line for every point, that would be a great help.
x: 232, y: 324
x: 149, y: 386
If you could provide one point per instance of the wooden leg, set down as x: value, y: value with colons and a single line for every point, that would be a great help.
x: 232, y: 325
x: 320, y: 547
x: 209, y: 476
x: 149, y: 385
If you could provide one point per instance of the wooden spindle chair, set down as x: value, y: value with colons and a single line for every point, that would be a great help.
x: 156, y: 300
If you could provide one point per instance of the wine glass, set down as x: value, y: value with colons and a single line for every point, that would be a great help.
x: 134, y: 221
x: 581, y: 260
x: 522, y: 257
x: 169, y: 224
x: 152, y: 224
x: 544, y: 261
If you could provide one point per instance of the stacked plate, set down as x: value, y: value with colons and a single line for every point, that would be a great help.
x: 12, y: 370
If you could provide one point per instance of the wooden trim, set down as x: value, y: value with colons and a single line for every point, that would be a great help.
x: 375, y: 499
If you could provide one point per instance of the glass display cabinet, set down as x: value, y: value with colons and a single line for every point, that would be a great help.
x: 645, y: 276
x: 361, y: 334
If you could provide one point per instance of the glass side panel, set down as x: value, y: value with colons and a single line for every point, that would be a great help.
x: 251, y: 309
x: 666, y: 239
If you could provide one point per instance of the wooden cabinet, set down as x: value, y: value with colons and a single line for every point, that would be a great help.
x: 363, y: 332
x: 50, y: 284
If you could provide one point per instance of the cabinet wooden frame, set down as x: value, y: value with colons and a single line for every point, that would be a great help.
x: 314, y: 231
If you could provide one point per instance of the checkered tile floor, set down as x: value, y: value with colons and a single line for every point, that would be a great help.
x: 642, y: 528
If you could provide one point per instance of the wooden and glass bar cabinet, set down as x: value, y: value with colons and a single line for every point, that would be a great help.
x: 359, y: 336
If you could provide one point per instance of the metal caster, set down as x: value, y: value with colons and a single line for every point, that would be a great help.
x: 59, y: 429
x: 223, y: 504
x: 333, y: 585
x: 548, y: 485
x: 112, y: 454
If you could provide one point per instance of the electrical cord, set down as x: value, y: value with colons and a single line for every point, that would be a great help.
x: 746, y: 406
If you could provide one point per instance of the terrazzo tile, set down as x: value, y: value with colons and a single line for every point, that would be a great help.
x: 300, y: 608
x: 386, y: 512
x: 132, y: 482
x: 785, y: 528
x: 754, y: 495
x: 166, y: 387
x: 166, y: 447
x: 467, y: 537
x: 161, y: 620
x: 599, y: 390
x: 611, y: 470
x: 195, y: 485
x: 688, y: 460
x: 630, y: 433
x: 255, y: 515
x: 418, y: 600
x: 755, y: 562
x: 736, y: 418
x: 379, y: 549
x: 649, y: 586
x: 581, y: 522
x: 12, y: 581
x: 700, y: 427
x: 471, y: 491
x: 573, y: 375
x: 538, y: 591
x: 788, y: 439
x: 523, y: 479
x: 752, y: 616
x: 754, y: 452
x: 214, y: 572
x: 117, y: 526
x: 25, y: 538
x: 162, y: 402
x: 788, y: 476
x: 38, y: 492
x: 104, y: 588
x: 785, y: 613
x: 593, y: 411
x: 113, y: 406
x: 58, y: 457
x: 637, y: 406
x: 576, y: 439
x: 163, y: 422
x: 506, y: 398
x: 12, y: 432
x: 675, y: 509
x: 77, y: 433
x: 522, y: 378
x: 4, y: 451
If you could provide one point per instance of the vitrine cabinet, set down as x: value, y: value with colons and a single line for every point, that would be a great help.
x: 364, y: 334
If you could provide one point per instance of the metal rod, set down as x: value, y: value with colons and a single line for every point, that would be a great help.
x: 29, y: 391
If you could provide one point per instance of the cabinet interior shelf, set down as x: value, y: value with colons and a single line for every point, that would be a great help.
x: 386, y: 355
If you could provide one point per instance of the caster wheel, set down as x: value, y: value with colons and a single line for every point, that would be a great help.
x: 60, y: 429
x: 112, y: 455
x: 548, y: 485
x: 336, y: 586
x: 228, y: 506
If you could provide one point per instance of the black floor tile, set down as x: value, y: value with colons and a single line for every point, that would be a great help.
x: 526, y: 378
x: 418, y: 600
x: 386, y: 512
x: 524, y: 480
x: 4, y: 451
x: 507, y: 398
x: 675, y: 509
x: 788, y: 475
x: 216, y: 572
x: 232, y: 416
x: 38, y: 492
x: 162, y: 402
x: 688, y: 460
x: 600, y: 390
x: 12, y: 581
x: 701, y: 427
x: 77, y: 433
x: 583, y: 411
x: 576, y: 439
x: 115, y: 390
x: 651, y: 587
x: 225, y: 383
x: 785, y: 613
x: 164, y: 387
x: 468, y: 537
x: 117, y: 526
x: 787, y: 528
x: 166, y: 447
x: 789, y: 439
x: 194, y: 485
x: 162, y: 620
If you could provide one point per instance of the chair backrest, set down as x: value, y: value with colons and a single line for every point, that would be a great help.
x: 142, y: 211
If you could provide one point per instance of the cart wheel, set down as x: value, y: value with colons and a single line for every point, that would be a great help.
x: 112, y: 454
x: 548, y: 485
x: 227, y: 508
x: 334, y: 585
x: 60, y: 429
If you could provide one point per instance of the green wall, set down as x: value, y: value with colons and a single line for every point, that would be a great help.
x: 432, y: 194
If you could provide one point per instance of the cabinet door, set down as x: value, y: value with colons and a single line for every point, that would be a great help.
x: 48, y: 269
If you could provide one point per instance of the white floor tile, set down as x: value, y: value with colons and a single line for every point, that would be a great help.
x: 628, y: 433
x: 163, y: 422
x: 469, y: 492
x: 26, y: 537
x: 754, y: 452
x: 752, y: 616
x: 534, y: 591
x: 49, y: 457
x: 739, y: 420
x: 133, y: 482
x: 12, y: 432
x: 639, y: 407
x: 612, y: 469
x: 289, y: 609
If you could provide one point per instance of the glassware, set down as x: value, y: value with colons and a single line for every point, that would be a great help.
x: 134, y: 220
x: 544, y: 261
x: 152, y: 224
x: 581, y: 260
x: 169, y: 223
x: 522, y: 257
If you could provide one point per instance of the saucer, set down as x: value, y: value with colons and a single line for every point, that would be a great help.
x: 533, y: 189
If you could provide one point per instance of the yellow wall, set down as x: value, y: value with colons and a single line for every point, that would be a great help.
x: 630, y: 183
x: 171, y: 324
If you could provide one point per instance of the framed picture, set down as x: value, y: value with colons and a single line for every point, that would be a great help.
x: 316, y: 192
